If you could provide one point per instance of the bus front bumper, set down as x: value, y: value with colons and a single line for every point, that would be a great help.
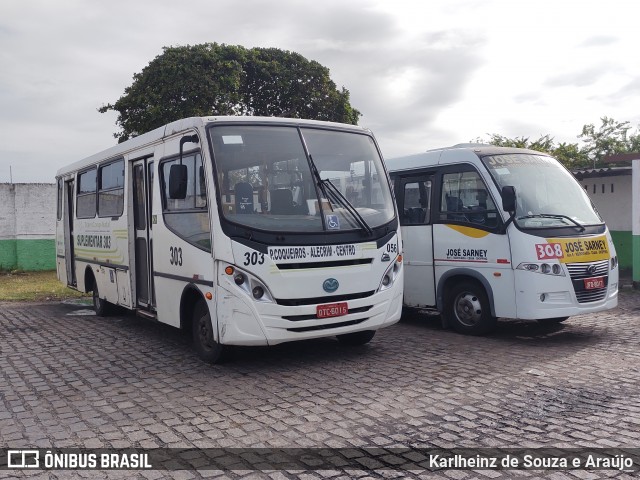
x: 541, y: 296
x: 261, y: 323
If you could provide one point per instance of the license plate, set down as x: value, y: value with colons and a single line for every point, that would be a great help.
x: 332, y: 310
x: 593, y: 283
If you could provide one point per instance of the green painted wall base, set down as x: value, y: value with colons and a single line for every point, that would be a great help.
x: 28, y: 255
x: 623, y: 242
x: 8, y: 254
x: 636, y: 259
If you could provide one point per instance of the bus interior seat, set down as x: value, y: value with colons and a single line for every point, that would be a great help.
x: 282, y: 202
x: 244, y: 197
x: 478, y: 215
x: 415, y: 215
x: 454, y: 204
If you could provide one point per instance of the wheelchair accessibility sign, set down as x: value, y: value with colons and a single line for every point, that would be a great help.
x: 333, y: 222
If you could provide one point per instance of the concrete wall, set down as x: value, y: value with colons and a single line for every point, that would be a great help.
x: 27, y: 226
x: 612, y: 197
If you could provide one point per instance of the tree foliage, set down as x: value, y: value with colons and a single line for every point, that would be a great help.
x: 218, y: 79
x: 612, y: 137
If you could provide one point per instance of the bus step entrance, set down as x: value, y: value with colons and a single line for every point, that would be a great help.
x: 146, y: 314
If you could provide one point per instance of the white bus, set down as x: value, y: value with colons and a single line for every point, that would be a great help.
x: 500, y: 232
x: 246, y: 230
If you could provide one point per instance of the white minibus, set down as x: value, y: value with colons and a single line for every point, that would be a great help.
x: 500, y: 232
x: 245, y: 230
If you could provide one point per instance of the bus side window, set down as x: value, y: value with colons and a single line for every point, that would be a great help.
x: 111, y: 189
x: 465, y: 198
x: 415, y: 206
x: 86, y: 194
x: 188, y: 217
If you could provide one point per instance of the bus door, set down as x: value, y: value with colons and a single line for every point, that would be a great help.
x: 467, y: 235
x: 68, y: 215
x: 142, y: 196
x: 417, y: 238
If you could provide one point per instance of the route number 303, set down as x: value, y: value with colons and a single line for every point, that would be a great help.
x: 253, y: 258
x: 175, y: 256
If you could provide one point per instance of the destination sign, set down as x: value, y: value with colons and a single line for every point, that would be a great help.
x: 569, y: 250
x: 315, y: 253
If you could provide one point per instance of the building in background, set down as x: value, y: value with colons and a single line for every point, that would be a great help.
x: 27, y: 226
x: 610, y: 190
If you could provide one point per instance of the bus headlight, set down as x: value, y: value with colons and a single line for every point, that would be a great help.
x: 544, y: 268
x: 249, y: 284
x: 614, y: 262
x: 391, y: 274
x: 257, y: 292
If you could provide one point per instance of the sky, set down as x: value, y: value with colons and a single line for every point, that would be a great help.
x: 425, y: 73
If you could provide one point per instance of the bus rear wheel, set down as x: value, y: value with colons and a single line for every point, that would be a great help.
x: 467, y: 309
x: 356, y: 338
x: 101, y: 306
x: 202, y: 331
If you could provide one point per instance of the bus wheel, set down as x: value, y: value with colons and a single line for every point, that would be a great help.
x: 102, y: 307
x: 207, y: 348
x: 356, y: 338
x: 551, y: 321
x: 467, y: 309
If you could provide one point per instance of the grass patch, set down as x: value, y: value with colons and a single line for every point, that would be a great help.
x: 34, y: 286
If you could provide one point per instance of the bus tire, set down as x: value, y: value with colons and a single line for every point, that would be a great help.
x: 356, y: 338
x: 202, y: 331
x: 101, y: 306
x: 551, y: 321
x: 467, y: 309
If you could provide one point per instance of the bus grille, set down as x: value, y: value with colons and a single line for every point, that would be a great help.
x: 328, y: 299
x: 325, y: 327
x: 299, y: 318
x: 331, y: 263
x: 580, y: 271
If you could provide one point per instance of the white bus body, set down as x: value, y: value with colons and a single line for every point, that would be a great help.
x: 472, y: 259
x: 281, y: 230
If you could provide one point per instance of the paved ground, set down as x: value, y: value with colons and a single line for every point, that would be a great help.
x: 68, y: 379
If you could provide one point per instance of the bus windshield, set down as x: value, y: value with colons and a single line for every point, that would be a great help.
x: 547, y: 194
x: 268, y: 182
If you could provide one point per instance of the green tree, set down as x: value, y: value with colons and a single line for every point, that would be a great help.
x: 218, y: 79
x: 634, y: 142
x: 542, y: 144
x: 570, y: 155
x: 612, y: 137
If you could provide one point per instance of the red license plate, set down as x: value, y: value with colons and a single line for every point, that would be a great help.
x: 593, y: 283
x: 332, y: 310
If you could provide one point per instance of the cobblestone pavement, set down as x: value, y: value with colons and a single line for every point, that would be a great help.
x: 71, y: 379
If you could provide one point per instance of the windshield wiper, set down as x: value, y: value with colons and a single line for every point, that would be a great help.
x: 558, y: 216
x: 330, y: 190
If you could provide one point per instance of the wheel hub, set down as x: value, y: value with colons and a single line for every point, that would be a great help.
x: 468, y: 309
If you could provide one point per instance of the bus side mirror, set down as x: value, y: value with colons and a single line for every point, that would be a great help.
x: 178, y: 182
x: 509, y: 199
